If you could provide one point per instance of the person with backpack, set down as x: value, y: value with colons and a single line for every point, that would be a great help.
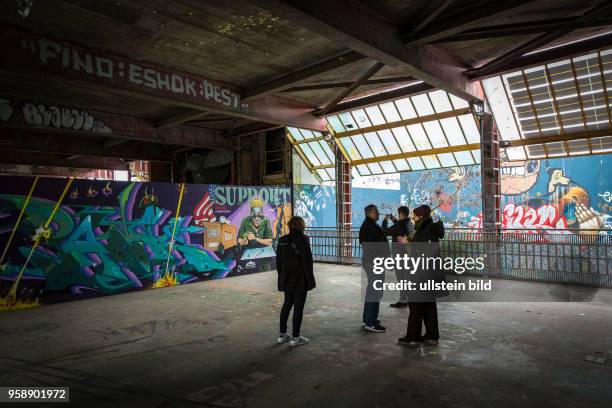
x: 295, y: 278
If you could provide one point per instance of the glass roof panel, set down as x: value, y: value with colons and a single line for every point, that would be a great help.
x: 580, y: 146
x: 431, y: 162
x: 328, y: 151
x: 363, y: 170
x: 375, y: 115
x: 470, y: 129
x: 453, y: 131
x: 476, y: 155
x: 401, y: 165
x: 323, y: 174
x: 388, y: 167
x: 308, y: 134
x: 458, y: 103
x: 362, y: 146
x: 422, y: 105
x: 516, y: 153
x: 318, y: 151
x: 405, y: 108
x: 435, y: 134
x: 419, y: 137
x: 464, y: 158
x: 390, y: 112
x: 562, y: 97
x: 295, y: 133
x: 332, y: 173
x: 361, y: 118
x: 375, y: 168
x: 347, y: 120
x: 310, y: 155
x: 334, y: 122
x: 375, y: 144
x: 389, y: 141
x: 416, y: 163
x: 440, y: 101
x: 447, y: 159
x: 403, y: 138
x: 349, y: 148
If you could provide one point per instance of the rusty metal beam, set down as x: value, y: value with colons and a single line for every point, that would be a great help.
x: 286, y: 81
x: 405, y: 122
x: 418, y: 153
x: 34, y: 55
x: 352, y: 24
x: 351, y: 88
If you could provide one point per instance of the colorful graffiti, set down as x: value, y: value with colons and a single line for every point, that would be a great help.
x: 557, y: 193
x: 316, y: 204
x: 564, y: 193
x: 65, y: 239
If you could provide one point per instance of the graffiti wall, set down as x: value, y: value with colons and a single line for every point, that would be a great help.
x: 316, y: 204
x: 564, y: 193
x: 65, y: 239
x: 558, y: 193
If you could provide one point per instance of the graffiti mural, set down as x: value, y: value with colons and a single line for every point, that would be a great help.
x: 316, y: 204
x: 65, y: 239
x: 557, y: 193
x: 452, y: 193
x: 565, y: 193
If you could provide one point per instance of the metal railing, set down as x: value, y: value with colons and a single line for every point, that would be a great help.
x: 562, y: 256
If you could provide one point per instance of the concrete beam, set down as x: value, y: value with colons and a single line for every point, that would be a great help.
x: 35, y: 55
x: 40, y: 140
x: 286, y: 81
x: 345, y: 22
x: 58, y: 160
x: 469, y: 17
x: 118, y: 129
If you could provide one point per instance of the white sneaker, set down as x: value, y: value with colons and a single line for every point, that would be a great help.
x: 299, y: 341
x: 283, y: 338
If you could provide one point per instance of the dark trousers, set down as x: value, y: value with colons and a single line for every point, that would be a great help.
x: 423, y: 312
x: 370, y: 313
x: 295, y: 296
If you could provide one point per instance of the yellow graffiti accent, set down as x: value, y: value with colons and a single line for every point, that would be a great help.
x: 25, y: 205
x: 169, y: 279
x: 11, y: 298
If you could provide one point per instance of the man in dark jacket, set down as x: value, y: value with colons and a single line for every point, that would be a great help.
x: 423, y: 308
x: 369, y: 233
x: 295, y: 277
x: 402, y: 227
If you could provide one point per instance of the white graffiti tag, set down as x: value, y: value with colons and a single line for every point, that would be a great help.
x: 62, y: 117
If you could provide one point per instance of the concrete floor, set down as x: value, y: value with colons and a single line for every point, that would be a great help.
x: 213, y: 344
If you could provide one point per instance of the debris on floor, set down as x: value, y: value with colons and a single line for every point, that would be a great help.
x: 596, y: 357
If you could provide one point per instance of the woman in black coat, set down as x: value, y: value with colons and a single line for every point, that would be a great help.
x: 295, y: 277
x: 423, y: 308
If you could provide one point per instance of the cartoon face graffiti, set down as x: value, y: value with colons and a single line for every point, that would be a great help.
x: 518, y: 177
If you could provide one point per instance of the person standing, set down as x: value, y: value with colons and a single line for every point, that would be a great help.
x: 423, y: 308
x: 295, y: 278
x: 371, y: 233
x: 402, y: 226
